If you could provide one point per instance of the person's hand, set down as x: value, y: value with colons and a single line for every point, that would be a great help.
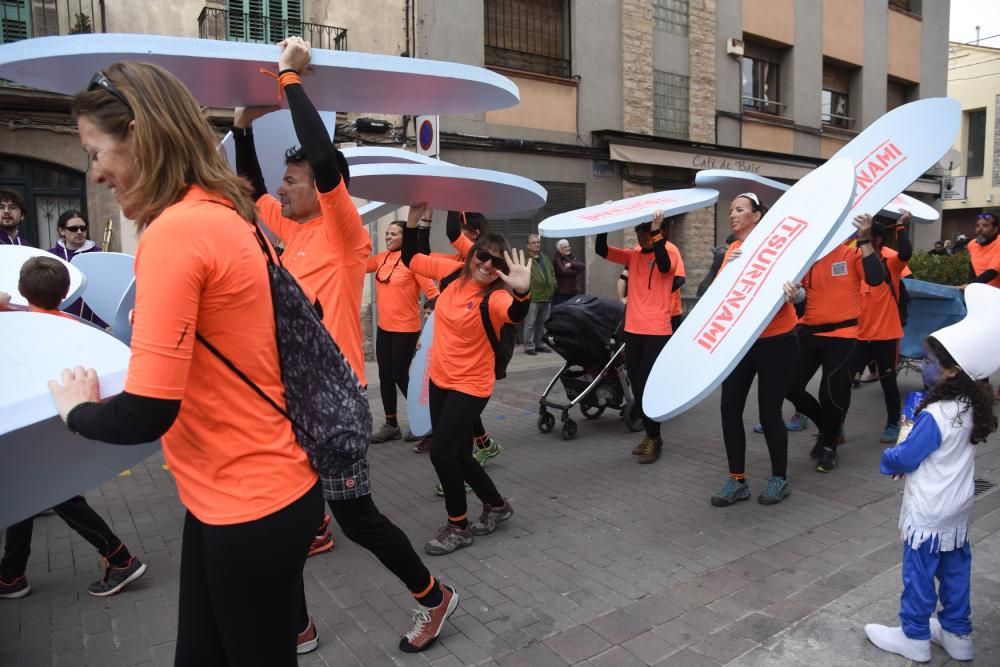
x: 295, y: 54
x: 243, y: 117
x: 734, y: 255
x: 5, y: 302
x: 793, y: 292
x: 904, y: 219
x: 624, y: 300
x: 863, y: 223
x: 657, y: 221
x: 518, y: 276
x: 416, y: 213
x: 78, y: 386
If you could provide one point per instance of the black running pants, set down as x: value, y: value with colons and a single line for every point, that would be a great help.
x: 885, y: 354
x: 772, y: 361
x: 241, y: 587
x: 641, y: 351
x: 394, y: 352
x: 835, y: 356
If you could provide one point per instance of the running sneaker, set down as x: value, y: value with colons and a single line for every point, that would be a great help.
x: 490, y: 517
x: 776, y: 491
x: 439, y: 490
x: 731, y: 493
x: 423, y: 446
x: 889, y: 433
x: 14, y: 588
x: 386, y: 433
x: 827, y: 461
x: 322, y: 540
x: 409, y: 437
x: 117, y: 578
x: 798, y: 422
x: 638, y: 449
x: 484, y: 454
x: 428, y: 621
x: 651, y: 450
x: 449, y: 539
x: 308, y: 639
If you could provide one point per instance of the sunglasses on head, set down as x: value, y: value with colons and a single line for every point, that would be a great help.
x: 499, y: 263
x: 986, y: 216
x: 76, y: 228
x: 100, y: 80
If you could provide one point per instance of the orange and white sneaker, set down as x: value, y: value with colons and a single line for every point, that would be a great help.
x: 428, y: 621
x: 322, y: 540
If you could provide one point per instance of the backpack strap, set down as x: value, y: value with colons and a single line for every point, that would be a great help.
x: 484, y: 312
x: 243, y: 376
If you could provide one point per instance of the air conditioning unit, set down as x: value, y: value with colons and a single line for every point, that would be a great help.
x: 734, y: 47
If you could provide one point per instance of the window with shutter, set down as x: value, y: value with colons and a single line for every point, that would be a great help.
x: 15, y: 20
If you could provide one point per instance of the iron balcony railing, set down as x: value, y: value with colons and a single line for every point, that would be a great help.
x: 528, y: 35
x: 23, y: 19
x: 230, y: 26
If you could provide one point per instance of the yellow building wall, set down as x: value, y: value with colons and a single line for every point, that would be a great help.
x: 843, y: 30
x: 545, y: 105
x: 768, y: 137
x: 904, y: 43
x: 771, y: 19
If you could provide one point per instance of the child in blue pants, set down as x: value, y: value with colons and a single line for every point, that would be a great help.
x: 937, y: 459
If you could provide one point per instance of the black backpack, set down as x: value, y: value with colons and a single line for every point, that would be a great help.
x: 503, y: 348
x: 326, y: 403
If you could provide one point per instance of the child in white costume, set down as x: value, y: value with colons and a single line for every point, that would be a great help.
x: 938, y: 461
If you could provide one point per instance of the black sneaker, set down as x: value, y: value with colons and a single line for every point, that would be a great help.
x: 15, y: 588
x: 827, y: 460
x: 817, y: 447
x: 117, y: 578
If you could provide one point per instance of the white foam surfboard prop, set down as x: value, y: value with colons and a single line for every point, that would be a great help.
x: 273, y: 134
x: 227, y: 74
x: 108, y: 276
x: 447, y: 187
x: 43, y: 463
x: 893, y: 152
x: 731, y: 184
x: 12, y: 257
x: 121, y: 326
x: 381, y: 155
x: 418, y: 406
x: 374, y: 210
x: 748, y: 291
x: 626, y: 212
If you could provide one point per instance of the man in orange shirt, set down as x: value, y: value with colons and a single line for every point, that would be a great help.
x: 829, y: 336
x: 879, y: 326
x: 984, y: 251
x: 327, y: 249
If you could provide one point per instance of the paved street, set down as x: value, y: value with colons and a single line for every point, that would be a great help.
x: 605, y: 562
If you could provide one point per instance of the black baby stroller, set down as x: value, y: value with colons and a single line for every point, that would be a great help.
x: 586, y: 331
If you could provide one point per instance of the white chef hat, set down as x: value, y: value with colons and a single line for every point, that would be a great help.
x: 972, y: 342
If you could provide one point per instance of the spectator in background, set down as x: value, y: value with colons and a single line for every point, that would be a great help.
x: 948, y: 247
x: 984, y: 251
x: 11, y: 217
x: 938, y: 249
x: 73, y: 241
x: 543, y: 285
x: 568, y: 268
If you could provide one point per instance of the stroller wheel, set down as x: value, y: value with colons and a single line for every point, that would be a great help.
x: 632, y: 412
x: 591, y: 411
x: 546, y: 422
x: 568, y: 429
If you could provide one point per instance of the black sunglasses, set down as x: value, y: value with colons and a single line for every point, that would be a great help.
x: 100, y: 80
x: 499, y: 263
x: 76, y: 228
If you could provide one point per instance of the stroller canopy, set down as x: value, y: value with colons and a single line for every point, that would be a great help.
x: 583, y: 330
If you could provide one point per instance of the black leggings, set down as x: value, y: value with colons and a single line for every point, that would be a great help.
x: 835, y: 356
x: 772, y: 361
x: 453, y: 419
x: 241, y: 587
x: 394, y: 352
x: 641, y: 351
x: 79, y: 516
x: 885, y: 354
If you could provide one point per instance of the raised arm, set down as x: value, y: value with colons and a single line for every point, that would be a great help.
x: 904, y: 248
x: 247, y: 164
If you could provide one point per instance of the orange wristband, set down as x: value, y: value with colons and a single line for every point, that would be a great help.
x: 288, y: 78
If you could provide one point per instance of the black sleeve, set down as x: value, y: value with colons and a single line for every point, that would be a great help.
x: 903, y: 246
x: 874, y: 269
x: 126, y: 419
x: 410, y: 243
x: 601, y: 245
x: 453, y: 227
x: 314, y: 139
x: 661, y: 256
x: 424, y: 240
x: 678, y: 283
x: 518, y: 310
x: 986, y: 276
x: 972, y: 274
x: 247, y: 164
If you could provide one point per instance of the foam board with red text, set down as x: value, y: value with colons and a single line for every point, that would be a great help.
x: 748, y: 291
x: 625, y: 213
x: 418, y: 406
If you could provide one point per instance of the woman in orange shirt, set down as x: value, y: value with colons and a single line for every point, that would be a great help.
x: 462, y: 369
x: 772, y: 360
x: 397, y: 297
x: 253, y: 500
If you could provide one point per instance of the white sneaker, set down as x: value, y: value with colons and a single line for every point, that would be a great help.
x: 894, y: 641
x: 959, y: 647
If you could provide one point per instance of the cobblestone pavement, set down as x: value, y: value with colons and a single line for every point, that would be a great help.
x: 605, y: 562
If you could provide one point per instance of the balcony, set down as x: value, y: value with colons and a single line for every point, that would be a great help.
x: 229, y: 26
x: 23, y: 19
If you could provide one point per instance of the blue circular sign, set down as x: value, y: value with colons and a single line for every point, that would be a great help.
x: 426, y: 135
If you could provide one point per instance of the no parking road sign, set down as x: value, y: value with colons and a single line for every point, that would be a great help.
x: 427, y: 135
